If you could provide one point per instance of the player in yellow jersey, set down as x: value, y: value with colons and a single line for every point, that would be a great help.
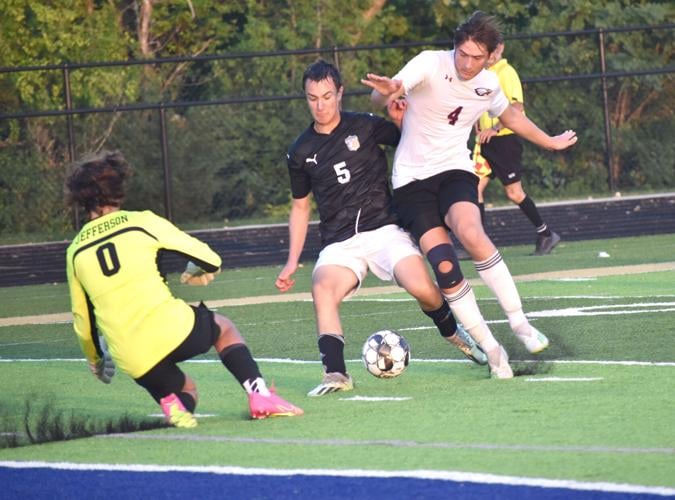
x: 503, y: 151
x: 118, y: 292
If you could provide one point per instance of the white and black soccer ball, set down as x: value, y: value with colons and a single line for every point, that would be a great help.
x: 386, y: 354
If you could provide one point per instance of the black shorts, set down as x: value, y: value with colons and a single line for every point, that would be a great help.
x: 504, y: 153
x: 422, y: 205
x: 165, y: 377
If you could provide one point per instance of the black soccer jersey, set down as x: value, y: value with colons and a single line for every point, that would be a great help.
x: 346, y: 171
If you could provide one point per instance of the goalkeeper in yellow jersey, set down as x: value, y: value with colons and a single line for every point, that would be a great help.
x: 118, y: 292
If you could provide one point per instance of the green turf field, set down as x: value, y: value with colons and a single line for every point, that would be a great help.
x: 599, y: 405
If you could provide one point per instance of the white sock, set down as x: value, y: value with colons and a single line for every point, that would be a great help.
x: 465, y: 308
x: 495, y: 274
x: 256, y: 385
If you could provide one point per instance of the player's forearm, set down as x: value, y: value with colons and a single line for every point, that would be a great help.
x: 82, y: 323
x: 526, y: 128
x: 298, y: 222
x: 86, y: 344
x: 203, y: 256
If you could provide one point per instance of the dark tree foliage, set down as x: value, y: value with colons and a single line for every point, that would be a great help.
x: 227, y: 161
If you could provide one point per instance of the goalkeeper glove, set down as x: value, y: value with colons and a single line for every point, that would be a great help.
x: 104, y: 367
x: 196, y: 276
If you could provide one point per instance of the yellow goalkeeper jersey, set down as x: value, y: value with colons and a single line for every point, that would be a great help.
x: 512, y: 88
x: 117, y: 289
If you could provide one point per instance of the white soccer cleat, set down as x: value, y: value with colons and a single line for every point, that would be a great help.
x: 535, y: 342
x: 332, y: 382
x: 463, y: 341
x: 498, y: 361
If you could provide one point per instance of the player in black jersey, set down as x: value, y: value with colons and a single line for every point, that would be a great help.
x: 338, y: 159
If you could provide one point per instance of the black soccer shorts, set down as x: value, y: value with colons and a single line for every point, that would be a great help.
x: 504, y: 153
x: 422, y: 205
x: 165, y: 377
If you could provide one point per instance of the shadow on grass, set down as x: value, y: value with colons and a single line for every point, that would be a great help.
x: 46, y: 425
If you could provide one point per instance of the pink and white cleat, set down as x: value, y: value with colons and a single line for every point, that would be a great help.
x: 271, y: 406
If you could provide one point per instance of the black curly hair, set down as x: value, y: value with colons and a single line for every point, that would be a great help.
x: 98, y: 181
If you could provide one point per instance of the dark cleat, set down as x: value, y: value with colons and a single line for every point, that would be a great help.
x: 546, y: 243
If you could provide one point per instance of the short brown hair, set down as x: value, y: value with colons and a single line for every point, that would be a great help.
x: 321, y: 70
x: 481, y: 28
x: 98, y: 181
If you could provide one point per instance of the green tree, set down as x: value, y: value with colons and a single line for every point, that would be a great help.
x: 228, y: 161
x: 37, y: 34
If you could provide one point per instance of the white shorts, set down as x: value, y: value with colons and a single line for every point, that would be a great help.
x: 380, y: 250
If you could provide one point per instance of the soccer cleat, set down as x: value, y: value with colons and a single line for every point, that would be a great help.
x: 465, y: 343
x: 498, y: 361
x: 175, y: 413
x: 271, y: 406
x: 332, y: 382
x: 535, y: 342
x: 546, y: 243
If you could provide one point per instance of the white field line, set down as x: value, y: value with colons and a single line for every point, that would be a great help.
x: 375, y: 398
x: 436, y: 475
x: 198, y: 415
x: 597, y: 310
x: 394, y: 443
x: 564, y: 379
x: 416, y: 360
x: 306, y: 296
x: 579, y: 311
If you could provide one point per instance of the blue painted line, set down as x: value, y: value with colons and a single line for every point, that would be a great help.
x: 47, y: 483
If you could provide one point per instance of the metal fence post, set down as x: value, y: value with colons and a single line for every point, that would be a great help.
x: 165, y: 162
x: 71, y: 133
x: 605, y: 104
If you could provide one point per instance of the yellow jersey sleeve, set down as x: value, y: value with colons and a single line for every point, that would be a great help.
x: 510, y: 83
x: 116, y: 287
x: 81, y: 317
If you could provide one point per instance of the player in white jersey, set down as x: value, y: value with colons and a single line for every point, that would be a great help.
x: 435, y: 187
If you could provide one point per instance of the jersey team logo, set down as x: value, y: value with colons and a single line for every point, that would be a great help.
x: 482, y: 92
x: 352, y: 143
x: 312, y: 160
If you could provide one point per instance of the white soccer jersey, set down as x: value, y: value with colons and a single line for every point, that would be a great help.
x: 442, y: 110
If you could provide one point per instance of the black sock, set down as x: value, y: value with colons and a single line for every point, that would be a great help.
x: 332, y: 349
x: 481, y: 207
x: 237, y: 358
x: 443, y: 319
x: 530, y: 210
x: 188, y: 401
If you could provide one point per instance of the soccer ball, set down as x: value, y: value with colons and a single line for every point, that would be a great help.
x: 386, y: 354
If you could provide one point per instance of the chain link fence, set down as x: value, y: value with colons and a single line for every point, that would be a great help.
x: 217, y: 162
